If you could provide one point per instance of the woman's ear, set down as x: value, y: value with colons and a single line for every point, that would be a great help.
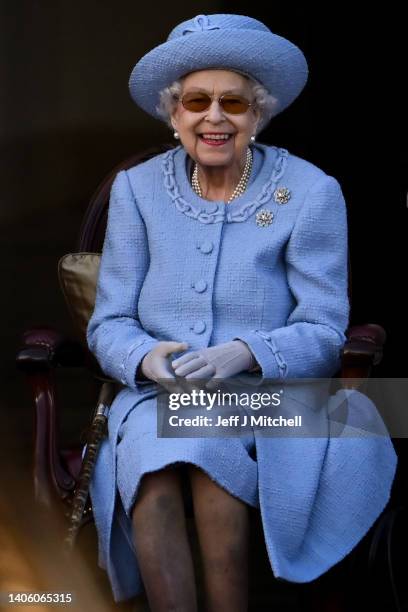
x: 257, y: 113
x: 173, y: 121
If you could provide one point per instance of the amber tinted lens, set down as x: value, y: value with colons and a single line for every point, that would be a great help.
x: 196, y: 102
x: 199, y: 102
x: 234, y: 105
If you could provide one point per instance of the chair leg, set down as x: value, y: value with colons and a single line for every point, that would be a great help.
x: 51, y: 480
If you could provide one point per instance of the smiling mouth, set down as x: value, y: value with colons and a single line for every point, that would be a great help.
x: 215, y: 140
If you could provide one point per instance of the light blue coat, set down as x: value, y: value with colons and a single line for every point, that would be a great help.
x: 177, y: 267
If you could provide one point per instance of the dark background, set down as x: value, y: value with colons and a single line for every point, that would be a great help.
x: 67, y: 119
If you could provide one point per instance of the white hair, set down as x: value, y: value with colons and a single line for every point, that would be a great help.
x: 267, y: 104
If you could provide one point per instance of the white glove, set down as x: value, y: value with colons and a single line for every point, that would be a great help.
x: 220, y: 361
x: 155, y: 364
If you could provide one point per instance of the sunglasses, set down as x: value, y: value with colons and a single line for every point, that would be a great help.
x: 197, y: 102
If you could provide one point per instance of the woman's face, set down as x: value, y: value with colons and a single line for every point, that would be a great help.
x: 191, y: 125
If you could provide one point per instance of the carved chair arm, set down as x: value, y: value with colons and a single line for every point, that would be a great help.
x: 42, y: 348
x: 362, y: 350
x: 41, y: 351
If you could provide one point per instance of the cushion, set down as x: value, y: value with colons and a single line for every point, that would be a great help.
x: 78, y: 277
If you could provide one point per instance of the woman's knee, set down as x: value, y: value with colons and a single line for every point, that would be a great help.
x: 206, y: 489
x: 216, y: 508
x: 160, y: 492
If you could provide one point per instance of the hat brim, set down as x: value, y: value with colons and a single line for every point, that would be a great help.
x: 275, y: 62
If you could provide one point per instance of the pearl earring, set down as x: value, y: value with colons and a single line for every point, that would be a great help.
x: 252, y: 138
x: 176, y: 135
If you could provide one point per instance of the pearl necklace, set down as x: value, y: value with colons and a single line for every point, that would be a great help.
x: 239, y: 189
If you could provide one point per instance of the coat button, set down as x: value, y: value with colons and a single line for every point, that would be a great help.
x: 199, y: 286
x: 206, y: 246
x: 198, y: 327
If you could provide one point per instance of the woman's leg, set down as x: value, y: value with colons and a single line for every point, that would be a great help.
x: 222, y: 523
x: 162, y: 545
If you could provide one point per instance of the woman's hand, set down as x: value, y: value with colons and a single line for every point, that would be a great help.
x: 220, y: 361
x: 156, y: 366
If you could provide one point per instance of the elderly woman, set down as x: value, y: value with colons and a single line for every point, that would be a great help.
x: 223, y: 256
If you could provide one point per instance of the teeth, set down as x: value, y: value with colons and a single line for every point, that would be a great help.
x: 216, y: 137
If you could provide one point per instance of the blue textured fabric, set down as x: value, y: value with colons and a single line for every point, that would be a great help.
x: 177, y: 267
x: 234, y: 42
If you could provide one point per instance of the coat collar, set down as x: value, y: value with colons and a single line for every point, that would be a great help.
x: 269, y: 166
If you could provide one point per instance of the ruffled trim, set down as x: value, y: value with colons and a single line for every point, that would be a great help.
x: 241, y: 212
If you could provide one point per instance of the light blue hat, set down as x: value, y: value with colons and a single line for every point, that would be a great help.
x: 234, y: 42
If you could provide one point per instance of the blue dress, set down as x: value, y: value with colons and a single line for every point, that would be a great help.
x: 270, y: 269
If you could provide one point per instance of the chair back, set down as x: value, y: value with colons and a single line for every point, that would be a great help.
x: 78, y: 271
x: 92, y: 231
